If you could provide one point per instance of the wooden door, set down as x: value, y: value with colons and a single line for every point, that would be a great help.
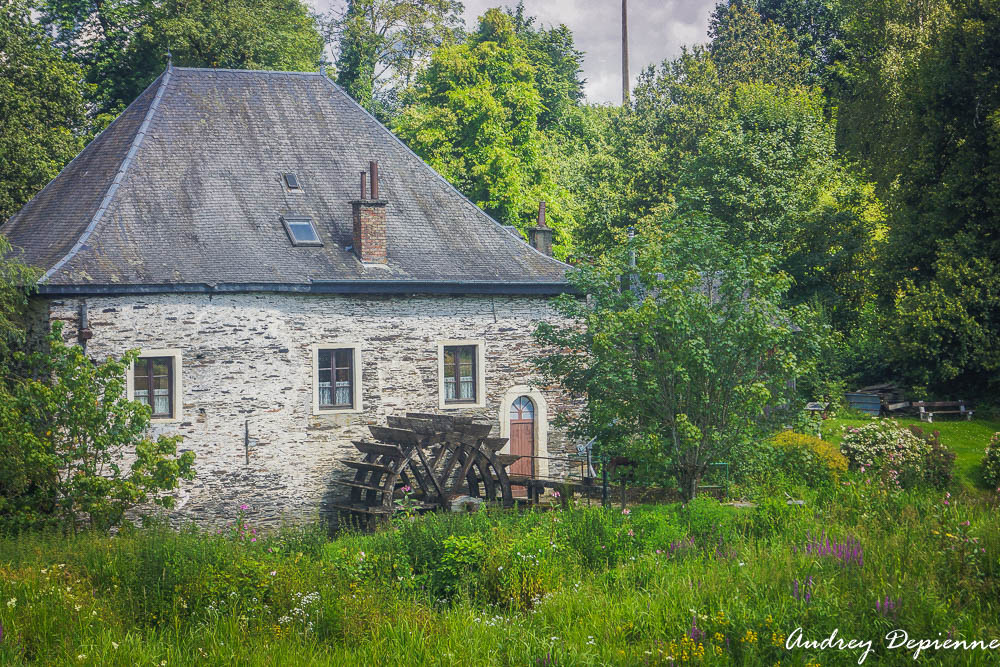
x: 522, y: 440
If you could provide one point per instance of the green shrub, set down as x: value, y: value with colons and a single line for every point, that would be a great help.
x: 461, y: 556
x: 707, y: 519
x: 939, y: 461
x: 991, y: 462
x: 885, y: 448
x: 816, y: 462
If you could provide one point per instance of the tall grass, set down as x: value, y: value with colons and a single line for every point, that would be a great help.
x: 702, y: 584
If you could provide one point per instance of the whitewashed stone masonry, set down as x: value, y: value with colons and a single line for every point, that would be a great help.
x: 248, y: 357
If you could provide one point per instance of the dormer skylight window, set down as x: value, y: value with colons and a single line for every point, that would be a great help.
x: 301, y: 230
x: 292, y: 181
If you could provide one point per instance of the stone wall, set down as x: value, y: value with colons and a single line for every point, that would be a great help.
x: 247, y: 359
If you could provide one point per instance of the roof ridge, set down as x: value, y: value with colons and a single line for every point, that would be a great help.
x: 245, y: 71
x: 434, y: 171
x: 164, y: 80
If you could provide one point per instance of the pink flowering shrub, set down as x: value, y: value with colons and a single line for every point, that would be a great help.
x: 991, y: 462
x: 885, y: 449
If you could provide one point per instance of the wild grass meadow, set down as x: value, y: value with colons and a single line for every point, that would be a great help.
x: 704, y: 584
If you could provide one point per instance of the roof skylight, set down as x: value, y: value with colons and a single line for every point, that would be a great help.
x: 301, y: 230
x: 292, y: 181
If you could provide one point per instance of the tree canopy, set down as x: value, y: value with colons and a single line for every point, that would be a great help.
x: 475, y: 120
x: 42, y: 108
x: 122, y: 45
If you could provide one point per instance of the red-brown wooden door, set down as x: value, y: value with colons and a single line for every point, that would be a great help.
x: 522, y: 440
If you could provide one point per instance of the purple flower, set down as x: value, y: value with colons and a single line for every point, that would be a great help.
x: 244, y: 507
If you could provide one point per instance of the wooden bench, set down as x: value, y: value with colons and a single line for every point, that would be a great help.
x: 929, y: 409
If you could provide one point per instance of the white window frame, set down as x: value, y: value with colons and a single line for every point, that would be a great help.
x: 178, y: 385
x: 480, y: 374
x: 355, y: 379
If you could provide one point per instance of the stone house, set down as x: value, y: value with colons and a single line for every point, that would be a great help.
x: 291, y: 273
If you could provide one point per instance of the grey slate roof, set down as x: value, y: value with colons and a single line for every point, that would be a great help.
x: 184, y: 190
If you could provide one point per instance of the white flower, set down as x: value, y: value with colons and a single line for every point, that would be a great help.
x: 82, y: 656
x: 11, y: 603
x: 555, y: 639
x: 77, y: 607
x: 114, y: 645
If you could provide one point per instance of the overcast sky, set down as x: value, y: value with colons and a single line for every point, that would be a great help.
x: 657, y: 30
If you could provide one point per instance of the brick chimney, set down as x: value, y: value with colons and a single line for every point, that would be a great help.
x: 540, y: 236
x: 369, y: 220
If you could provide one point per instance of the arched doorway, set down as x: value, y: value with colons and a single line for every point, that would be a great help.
x: 522, y: 440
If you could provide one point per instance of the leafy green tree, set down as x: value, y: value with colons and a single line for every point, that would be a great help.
x: 943, y: 234
x: 123, y: 44
x: 945, y: 331
x: 74, y: 451
x: 639, y: 150
x: 42, y: 110
x: 557, y: 63
x: 475, y: 120
x: 746, y: 48
x: 681, y: 369
x: 383, y: 44
x: 16, y: 283
x: 768, y: 168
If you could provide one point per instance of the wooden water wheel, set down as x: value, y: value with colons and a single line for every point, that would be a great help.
x: 439, y: 457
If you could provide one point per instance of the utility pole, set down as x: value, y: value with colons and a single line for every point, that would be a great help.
x: 625, y: 79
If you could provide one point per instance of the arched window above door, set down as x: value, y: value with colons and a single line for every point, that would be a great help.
x: 522, y: 409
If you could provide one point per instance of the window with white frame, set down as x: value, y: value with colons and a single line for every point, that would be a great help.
x: 461, y: 373
x: 155, y: 379
x: 336, y: 377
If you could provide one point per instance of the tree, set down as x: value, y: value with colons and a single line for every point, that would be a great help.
x: 42, y: 110
x: 67, y: 433
x: 475, y: 120
x: 642, y: 147
x: 122, y: 44
x: 747, y: 48
x: 945, y: 248
x: 680, y: 369
x: 768, y: 168
x: 383, y: 44
x: 557, y: 63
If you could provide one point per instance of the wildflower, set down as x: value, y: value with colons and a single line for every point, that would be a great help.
x: 406, y: 489
x: 274, y: 572
x: 11, y: 603
x: 77, y: 607
x: 244, y: 507
x: 114, y: 645
x: 82, y: 656
x: 626, y: 511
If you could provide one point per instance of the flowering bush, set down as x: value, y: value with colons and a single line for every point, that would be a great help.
x: 814, y: 461
x: 939, y: 461
x: 885, y: 448
x: 991, y: 462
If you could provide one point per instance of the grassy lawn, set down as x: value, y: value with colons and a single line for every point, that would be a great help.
x: 968, y: 439
x: 659, y: 585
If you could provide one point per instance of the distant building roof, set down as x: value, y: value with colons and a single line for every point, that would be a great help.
x: 185, y: 191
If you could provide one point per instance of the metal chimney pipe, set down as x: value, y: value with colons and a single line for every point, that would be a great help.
x: 541, y: 213
x: 373, y: 167
x: 364, y: 185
